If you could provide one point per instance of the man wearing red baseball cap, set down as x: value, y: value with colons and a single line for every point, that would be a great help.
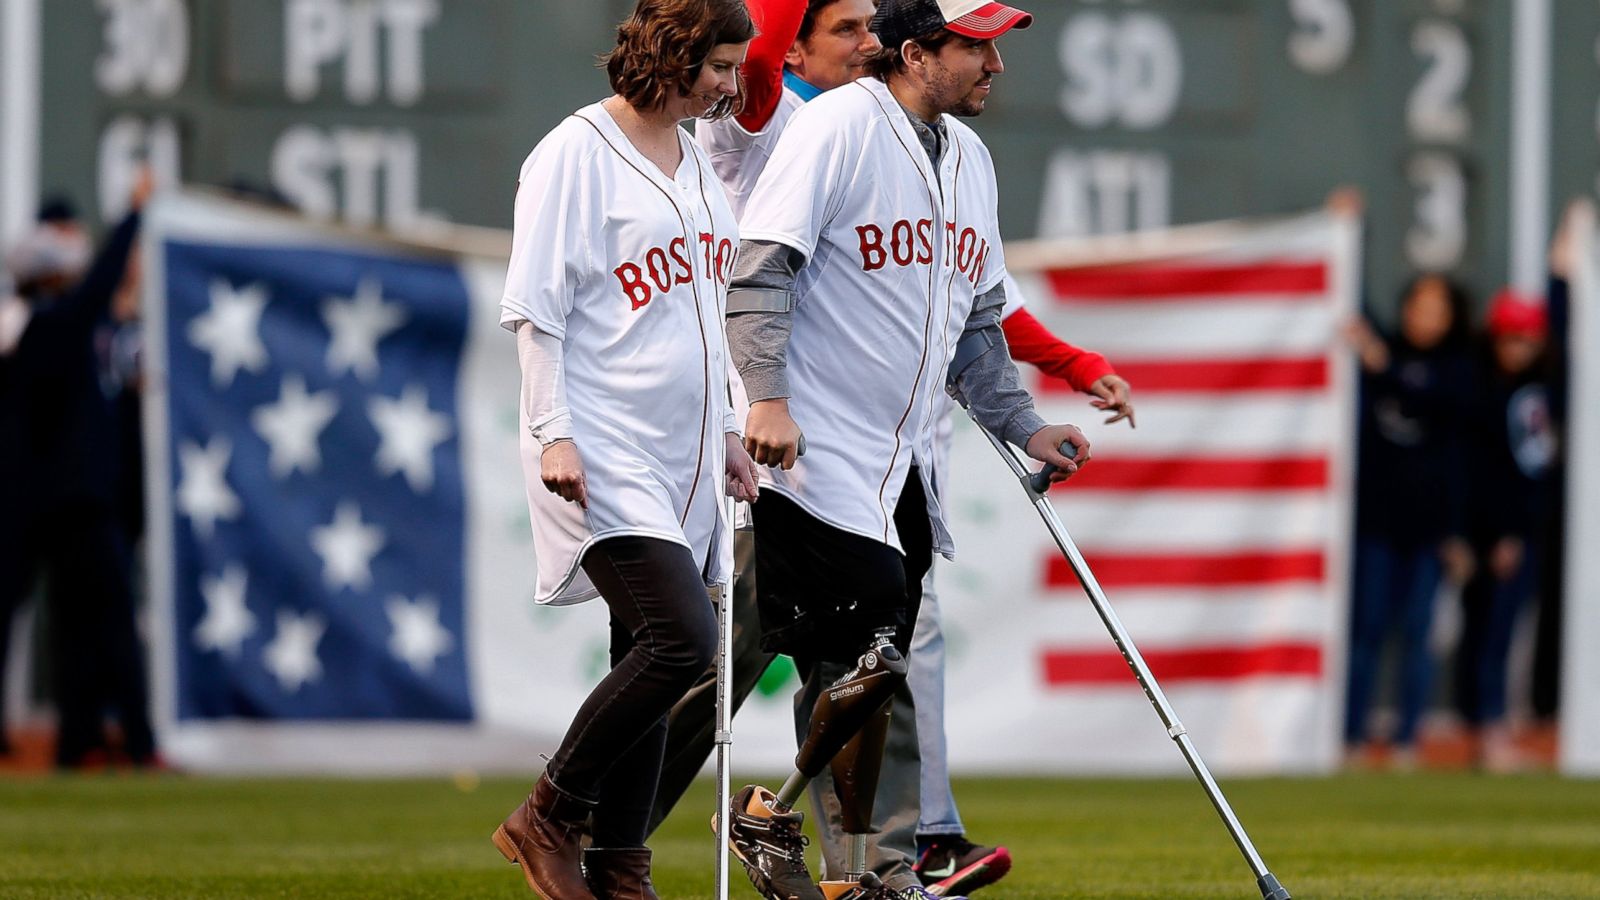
x: 871, y: 253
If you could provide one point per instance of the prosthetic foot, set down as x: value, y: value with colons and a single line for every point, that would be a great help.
x: 866, y: 886
x: 871, y: 888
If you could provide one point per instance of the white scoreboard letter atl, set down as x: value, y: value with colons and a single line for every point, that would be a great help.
x: 1105, y: 192
x: 360, y: 33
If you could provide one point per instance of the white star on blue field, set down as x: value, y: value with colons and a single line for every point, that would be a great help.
x: 318, y: 505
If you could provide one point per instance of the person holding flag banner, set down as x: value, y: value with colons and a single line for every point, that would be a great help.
x: 621, y: 253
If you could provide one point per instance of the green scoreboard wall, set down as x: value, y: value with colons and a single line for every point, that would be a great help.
x: 1111, y: 115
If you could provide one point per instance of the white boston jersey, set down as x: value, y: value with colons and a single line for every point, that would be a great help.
x: 739, y: 156
x: 629, y: 268
x: 896, y: 252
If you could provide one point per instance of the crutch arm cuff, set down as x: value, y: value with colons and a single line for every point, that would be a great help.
x: 972, y: 346
x: 760, y: 300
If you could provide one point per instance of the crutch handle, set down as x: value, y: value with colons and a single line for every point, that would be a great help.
x: 1040, y: 482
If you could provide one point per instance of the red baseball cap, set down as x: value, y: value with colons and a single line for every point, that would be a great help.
x: 898, y: 21
x: 1512, y: 312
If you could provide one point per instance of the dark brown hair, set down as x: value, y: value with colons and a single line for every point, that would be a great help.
x: 661, y: 47
x: 808, y: 22
x: 888, y: 60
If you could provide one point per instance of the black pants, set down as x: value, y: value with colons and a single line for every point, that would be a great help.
x: 825, y: 591
x: 663, y: 635
x: 883, y: 580
x: 692, y: 724
x: 97, y: 660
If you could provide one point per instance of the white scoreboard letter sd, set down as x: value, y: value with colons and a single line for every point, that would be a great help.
x: 1125, y: 70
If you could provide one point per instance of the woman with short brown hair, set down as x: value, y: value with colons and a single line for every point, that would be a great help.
x: 621, y: 252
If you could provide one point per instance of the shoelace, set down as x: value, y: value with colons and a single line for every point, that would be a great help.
x: 794, y: 843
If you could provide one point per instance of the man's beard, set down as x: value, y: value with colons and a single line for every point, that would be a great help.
x: 949, y: 96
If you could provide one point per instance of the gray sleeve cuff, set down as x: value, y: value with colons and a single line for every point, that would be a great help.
x: 1022, y: 427
x: 766, y: 383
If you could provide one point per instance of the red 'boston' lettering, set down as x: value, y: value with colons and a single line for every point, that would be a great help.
x: 725, y: 253
x: 872, y: 253
x: 660, y: 273
x: 964, y: 250
x: 900, y: 243
x: 981, y: 263
x: 924, y: 241
x: 633, y: 286
x: 708, y: 245
x: 680, y: 256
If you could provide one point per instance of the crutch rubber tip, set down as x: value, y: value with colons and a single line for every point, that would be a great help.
x: 1271, y: 889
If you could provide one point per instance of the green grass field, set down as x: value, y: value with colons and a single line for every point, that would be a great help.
x: 1367, y: 836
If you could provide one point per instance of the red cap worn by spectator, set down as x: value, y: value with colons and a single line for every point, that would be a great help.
x: 1515, y: 313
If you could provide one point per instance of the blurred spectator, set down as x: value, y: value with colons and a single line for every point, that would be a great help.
x: 1513, y: 435
x: 45, y: 263
x: 1416, y: 390
x: 61, y: 480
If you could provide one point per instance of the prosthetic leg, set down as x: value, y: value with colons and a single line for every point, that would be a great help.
x: 849, y: 725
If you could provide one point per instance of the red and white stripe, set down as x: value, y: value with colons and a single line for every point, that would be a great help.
x: 1218, y: 528
x: 982, y: 18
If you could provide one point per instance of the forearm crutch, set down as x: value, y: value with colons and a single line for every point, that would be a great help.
x: 1035, y: 484
x: 723, y: 737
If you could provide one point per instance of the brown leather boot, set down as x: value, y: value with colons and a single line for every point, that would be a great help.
x: 619, y: 873
x: 542, y: 836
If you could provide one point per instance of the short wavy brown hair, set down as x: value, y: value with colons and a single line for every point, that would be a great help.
x: 663, y: 44
x: 888, y: 60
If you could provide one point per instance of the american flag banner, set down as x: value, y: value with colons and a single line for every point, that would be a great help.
x: 1219, y: 528
x: 341, y: 567
x: 340, y: 558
